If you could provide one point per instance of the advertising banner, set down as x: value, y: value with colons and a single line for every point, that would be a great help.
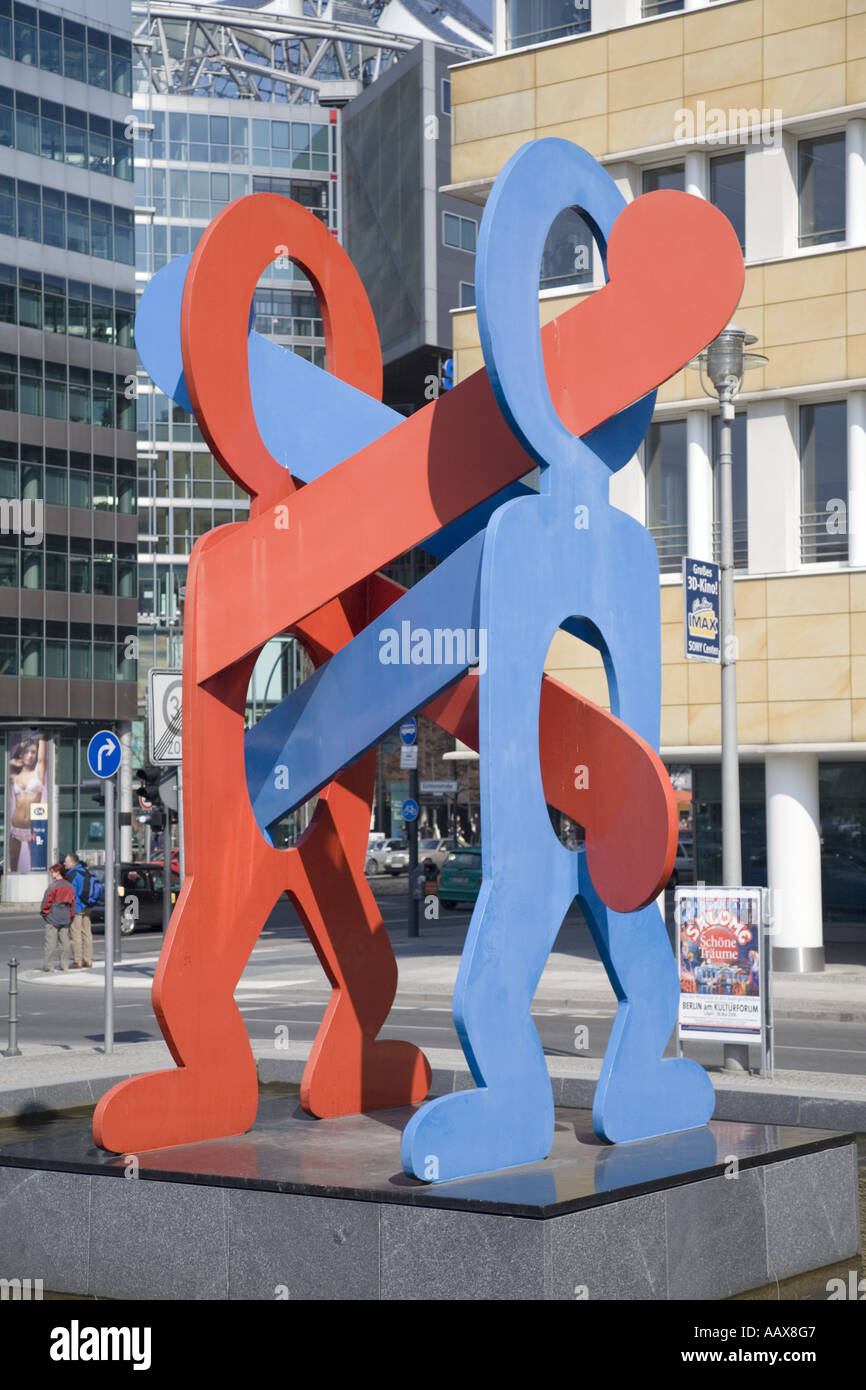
x: 39, y: 837
x: 701, y: 614
x: 721, y: 964
x: 27, y: 787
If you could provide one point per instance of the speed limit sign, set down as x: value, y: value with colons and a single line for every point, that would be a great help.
x: 164, y: 691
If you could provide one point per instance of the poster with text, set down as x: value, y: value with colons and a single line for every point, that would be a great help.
x: 27, y: 800
x: 720, y: 963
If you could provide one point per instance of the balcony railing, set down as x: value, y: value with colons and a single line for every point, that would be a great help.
x: 741, y: 544
x: 671, y: 543
x: 823, y: 536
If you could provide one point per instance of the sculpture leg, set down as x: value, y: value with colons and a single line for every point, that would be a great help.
x: 234, y: 880
x: 641, y: 1093
x: 508, y: 1120
x: 527, y: 887
x: 348, y: 1071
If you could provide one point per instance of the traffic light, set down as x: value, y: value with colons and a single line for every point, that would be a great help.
x: 96, y: 787
x: 147, y: 791
x: 148, y: 783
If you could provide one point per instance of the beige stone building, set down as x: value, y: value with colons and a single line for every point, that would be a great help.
x: 760, y: 106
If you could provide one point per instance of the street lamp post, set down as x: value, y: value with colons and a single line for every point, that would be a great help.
x: 725, y: 361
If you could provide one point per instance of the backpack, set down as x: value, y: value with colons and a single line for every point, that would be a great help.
x: 59, y: 914
x: 92, y: 891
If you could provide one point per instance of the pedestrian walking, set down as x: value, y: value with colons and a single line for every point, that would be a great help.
x: 431, y: 877
x: 87, y: 890
x: 57, y: 908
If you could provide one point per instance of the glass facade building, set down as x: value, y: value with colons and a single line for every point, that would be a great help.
x: 68, y: 526
x: 225, y: 106
x: 193, y: 156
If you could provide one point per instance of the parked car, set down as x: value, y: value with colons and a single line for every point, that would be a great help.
x: 377, y: 853
x: 460, y: 879
x: 397, y: 857
x: 175, y: 860
x: 143, y: 881
x: 437, y: 850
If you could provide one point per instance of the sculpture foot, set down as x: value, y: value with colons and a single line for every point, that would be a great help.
x: 385, y: 1074
x: 477, y: 1131
x: 164, y: 1108
x: 676, y: 1095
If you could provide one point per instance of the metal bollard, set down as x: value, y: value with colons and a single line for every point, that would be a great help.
x: 13, y: 1050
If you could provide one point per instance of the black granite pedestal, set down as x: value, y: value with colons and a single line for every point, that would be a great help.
x: 307, y: 1209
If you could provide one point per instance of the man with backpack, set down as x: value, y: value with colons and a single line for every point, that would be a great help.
x: 57, y: 905
x: 87, y: 891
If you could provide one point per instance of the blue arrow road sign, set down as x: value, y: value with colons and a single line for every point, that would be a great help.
x: 103, y: 753
x: 410, y: 809
x: 409, y: 730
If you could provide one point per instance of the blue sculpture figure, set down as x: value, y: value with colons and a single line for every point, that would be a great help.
x: 566, y: 558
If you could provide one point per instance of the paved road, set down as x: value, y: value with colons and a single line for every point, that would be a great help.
x: 284, y: 987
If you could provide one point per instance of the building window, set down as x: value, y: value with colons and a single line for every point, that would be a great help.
x: 665, y: 176
x: 740, y: 491
x: 728, y: 191
x: 666, y: 491
x: 707, y: 823
x: 66, y: 220
x: 467, y: 294
x: 821, y: 177
x: 446, y: 96
x: 96, y: 397
x: 650, y: 8
x: 823, y: 482
x: 9, y: 579
x: 459, y: 232
x: 537, y: 21
x: 567, y: 255
x: 843, y: 843
x: 65, y: 134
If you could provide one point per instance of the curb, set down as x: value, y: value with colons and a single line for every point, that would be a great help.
x: 824, y: 1105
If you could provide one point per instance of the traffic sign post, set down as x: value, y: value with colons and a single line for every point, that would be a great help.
x: 441, y: 788
x: 408, y: 735
x: 103, y: 754
x: 103, y: 759
x: 164, y: 716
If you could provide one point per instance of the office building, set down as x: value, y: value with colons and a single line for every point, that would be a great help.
x: 230, y: 101
x: 68, y: 529
x: 759, y: 106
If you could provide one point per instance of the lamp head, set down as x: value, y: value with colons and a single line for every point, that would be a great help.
x: 726, y: 361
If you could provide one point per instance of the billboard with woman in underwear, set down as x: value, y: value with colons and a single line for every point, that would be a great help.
x: 27, y: 787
